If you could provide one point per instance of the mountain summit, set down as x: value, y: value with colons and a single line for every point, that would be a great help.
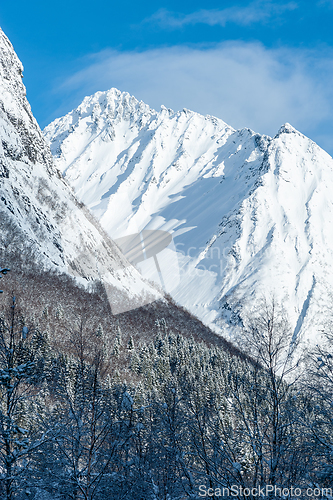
x: 250, y: 215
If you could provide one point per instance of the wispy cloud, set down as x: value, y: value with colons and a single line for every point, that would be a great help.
x: 325, y: 3
x: 259, y: 11
x: 245, y: 84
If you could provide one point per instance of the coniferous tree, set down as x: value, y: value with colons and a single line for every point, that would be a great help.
x: 22, y: 355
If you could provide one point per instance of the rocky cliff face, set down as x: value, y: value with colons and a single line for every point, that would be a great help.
x: 40, y: 212
x: 250, y: 215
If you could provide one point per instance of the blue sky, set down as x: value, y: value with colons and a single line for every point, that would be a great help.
x: 254, y: 64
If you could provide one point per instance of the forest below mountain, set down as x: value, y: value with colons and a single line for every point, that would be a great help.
x: 136, y: 406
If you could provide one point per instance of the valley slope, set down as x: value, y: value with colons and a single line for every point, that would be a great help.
x: 41, y: 219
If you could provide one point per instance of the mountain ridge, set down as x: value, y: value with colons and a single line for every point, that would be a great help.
x: 39, y: 209
x: 240, y: 206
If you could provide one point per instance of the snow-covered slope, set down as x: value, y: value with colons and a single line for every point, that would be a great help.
x: 250, y: 216
x: 38, y: 209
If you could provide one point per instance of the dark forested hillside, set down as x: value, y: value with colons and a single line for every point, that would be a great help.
x: 150, y: 404
x: 59, y: 302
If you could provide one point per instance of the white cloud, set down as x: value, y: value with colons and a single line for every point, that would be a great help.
x: 328, y: 3
x: 245, y: 84
x: 258, y: 11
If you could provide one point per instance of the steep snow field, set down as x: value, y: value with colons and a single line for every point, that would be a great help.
x: 39, y: 211
x: 250, y: 216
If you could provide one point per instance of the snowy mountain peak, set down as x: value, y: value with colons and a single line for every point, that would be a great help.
x: 287, y: 129
x: 109, y: 104
x: 102, y: 114
x: 245, y: 211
